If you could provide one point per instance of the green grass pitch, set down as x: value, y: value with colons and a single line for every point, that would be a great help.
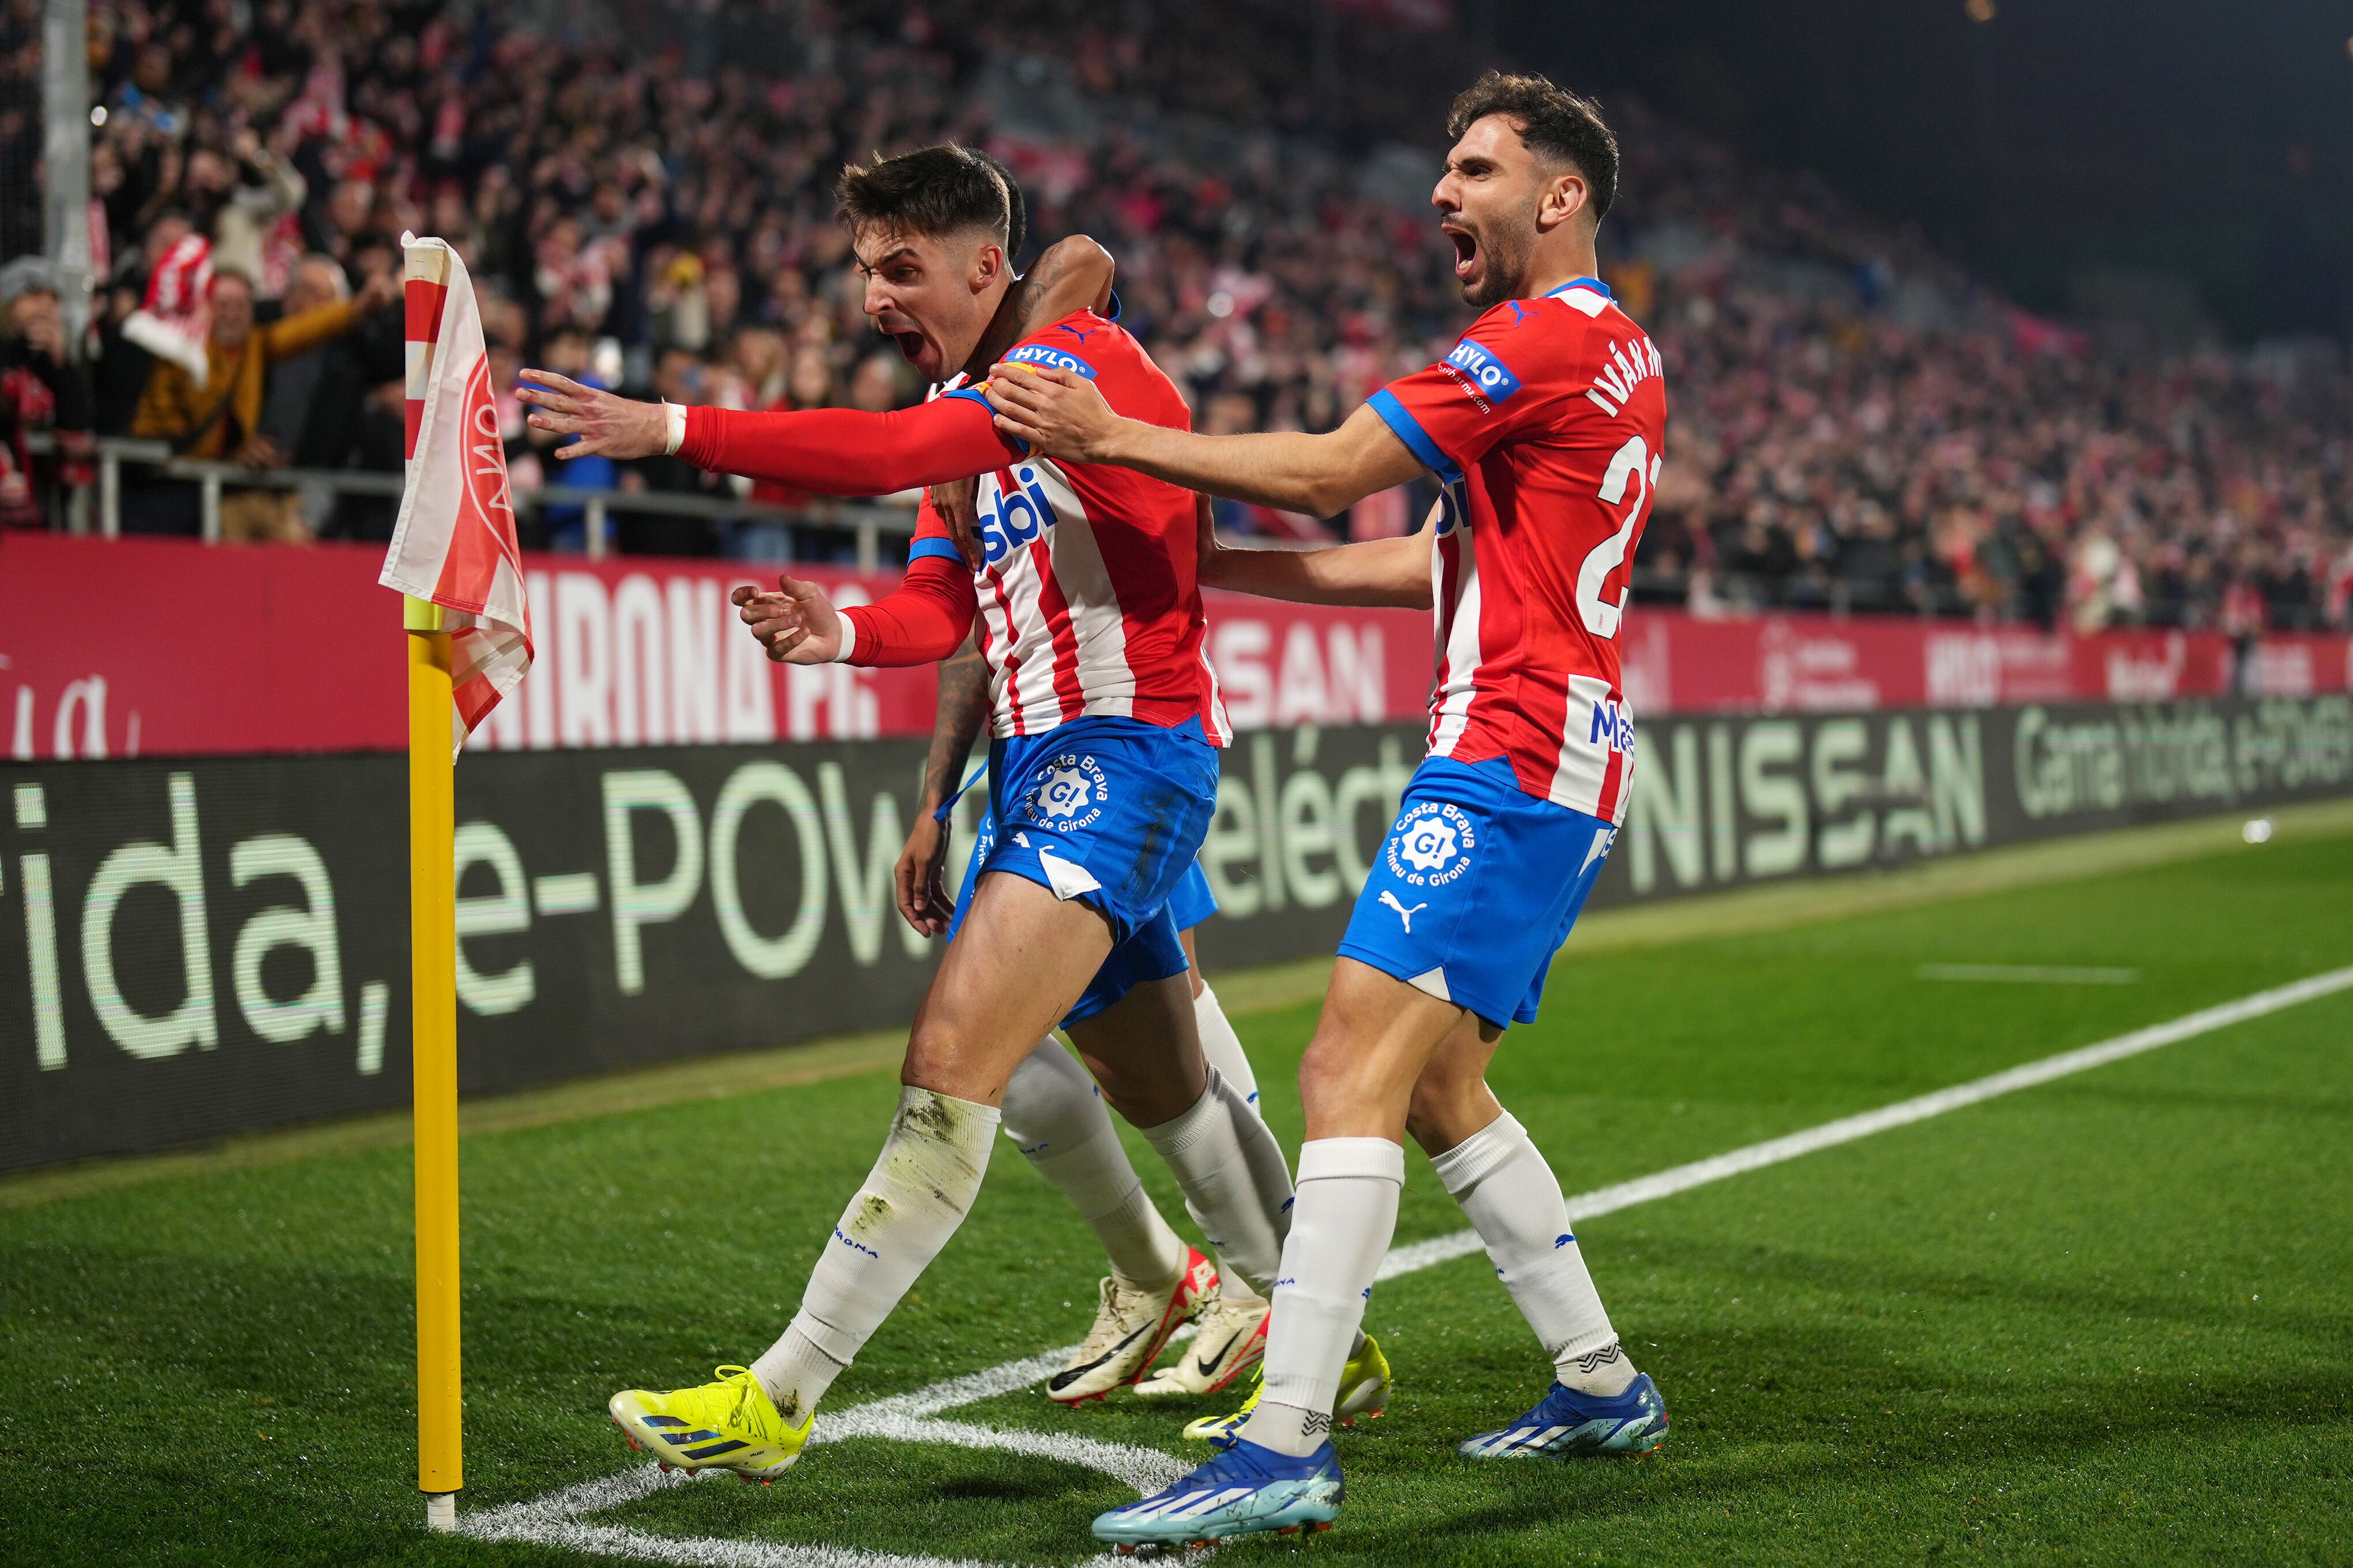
x: 2108, y: 1319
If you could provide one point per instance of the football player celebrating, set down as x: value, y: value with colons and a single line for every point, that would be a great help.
x: 1544, y: 426
x: 1103, y: 774
x: 1055, y: 1117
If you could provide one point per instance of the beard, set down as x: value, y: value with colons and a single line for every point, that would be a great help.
x: 1504, y: 251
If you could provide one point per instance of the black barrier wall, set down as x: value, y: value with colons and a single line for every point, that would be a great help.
x: 197, y: 948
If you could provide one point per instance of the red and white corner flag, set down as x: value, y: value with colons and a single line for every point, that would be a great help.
x: 455, y: 541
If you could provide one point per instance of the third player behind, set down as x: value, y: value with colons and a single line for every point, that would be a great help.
x: 1544, y: 426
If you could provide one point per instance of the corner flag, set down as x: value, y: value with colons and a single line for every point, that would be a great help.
x: 454, y: 544
x: 454, y: 555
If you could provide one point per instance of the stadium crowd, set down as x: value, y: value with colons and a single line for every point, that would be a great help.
x: 1856, y: 423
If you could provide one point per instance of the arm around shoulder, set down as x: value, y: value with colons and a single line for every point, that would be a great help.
x: 1320, y: 475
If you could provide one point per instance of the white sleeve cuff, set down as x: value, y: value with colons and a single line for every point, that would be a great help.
x: 848, y: 638
x: 676, y: 413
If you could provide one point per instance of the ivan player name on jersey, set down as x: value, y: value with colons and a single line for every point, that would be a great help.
x: 1545, y: 424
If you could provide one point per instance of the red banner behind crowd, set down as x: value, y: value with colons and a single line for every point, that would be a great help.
x: 163, y: 648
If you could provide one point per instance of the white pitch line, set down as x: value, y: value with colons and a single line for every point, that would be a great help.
x: 555, y: 1520
x: 2027, y: 974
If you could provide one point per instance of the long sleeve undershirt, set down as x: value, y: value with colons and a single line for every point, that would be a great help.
x: 922, y: 620
x: 847, y: 452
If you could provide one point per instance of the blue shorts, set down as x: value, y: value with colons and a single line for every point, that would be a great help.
x: 1192, y: 903
x: 1475, y: 888
x: 1110, y: 812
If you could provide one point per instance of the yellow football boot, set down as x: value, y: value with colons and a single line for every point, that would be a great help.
x: 730, y: 1424
x: 1364, y: 1390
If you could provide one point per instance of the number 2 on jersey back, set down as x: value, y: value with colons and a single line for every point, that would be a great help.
x: 1633, y: 461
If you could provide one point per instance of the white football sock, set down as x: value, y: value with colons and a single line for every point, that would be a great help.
x: 1223, y: 1048
x: 1236, y: 1186
x: 1055, y: 1118
x: 913, y: 1200
x: 1514, y: 1201
x: 1348, y: 1210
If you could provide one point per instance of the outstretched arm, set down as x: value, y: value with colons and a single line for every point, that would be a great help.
x: 1062, y: 415
x: 833, y: 451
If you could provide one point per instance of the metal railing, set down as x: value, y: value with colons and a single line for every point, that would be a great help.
x: 867, y: 521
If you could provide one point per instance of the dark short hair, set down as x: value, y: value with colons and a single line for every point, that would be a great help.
x: 1017, y: 218
x: 1553, y: 124
x: 932, y: 191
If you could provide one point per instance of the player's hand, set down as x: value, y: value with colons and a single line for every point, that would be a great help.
x: 609, y: 426
x: 1058, y: 411
x: 798, y: 624
x: 923, y: 893
x: 956, y: 502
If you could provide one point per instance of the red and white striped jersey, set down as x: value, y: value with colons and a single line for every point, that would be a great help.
x: 1089, y: 604
x: 1544, y: 424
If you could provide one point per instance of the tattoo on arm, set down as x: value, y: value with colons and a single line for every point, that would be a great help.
x: 963, y: 709
x: 1074, y: 274
x: 1039, y: 284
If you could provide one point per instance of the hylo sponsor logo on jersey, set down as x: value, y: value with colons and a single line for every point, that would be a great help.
x: 1431, y: 844
x: 1489, y: 378
x: 1010, y: 518
x: 1071, y: 795
x: 1043, y: 353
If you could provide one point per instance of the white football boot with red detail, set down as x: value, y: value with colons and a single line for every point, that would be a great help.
x: 1231, y: 1340
x: 1132, y: 1327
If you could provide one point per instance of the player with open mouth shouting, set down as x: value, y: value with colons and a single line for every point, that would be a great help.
x: 1544, y: 426
x: 1104, y: 763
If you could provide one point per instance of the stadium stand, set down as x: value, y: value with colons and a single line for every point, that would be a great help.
x: 1857, y: 423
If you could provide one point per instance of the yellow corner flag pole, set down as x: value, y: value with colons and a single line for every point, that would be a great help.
x: 433, y: 966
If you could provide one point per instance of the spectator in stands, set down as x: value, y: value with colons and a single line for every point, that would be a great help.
x: 680, y: 377
x: 292, y: 400
x: 222, y: 418
x: 807, y: 383
x: 1826, y: 448
x: 317, y: 402
x: 40, y: 389
x: 563, y: 525
x: 239, y: 198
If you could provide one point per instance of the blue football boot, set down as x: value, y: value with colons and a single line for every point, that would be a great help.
x: 1566, y: 1424
x: 1245, y: 1490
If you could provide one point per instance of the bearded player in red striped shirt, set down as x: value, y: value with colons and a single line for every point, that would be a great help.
x: 1544, y: 426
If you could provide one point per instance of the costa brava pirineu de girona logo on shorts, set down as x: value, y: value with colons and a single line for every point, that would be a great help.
x: 1071, y: 795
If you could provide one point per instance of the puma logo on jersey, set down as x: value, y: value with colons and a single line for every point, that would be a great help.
x: 1075, y: 331
x: 1627, y: 364
x: 1404, y: 914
